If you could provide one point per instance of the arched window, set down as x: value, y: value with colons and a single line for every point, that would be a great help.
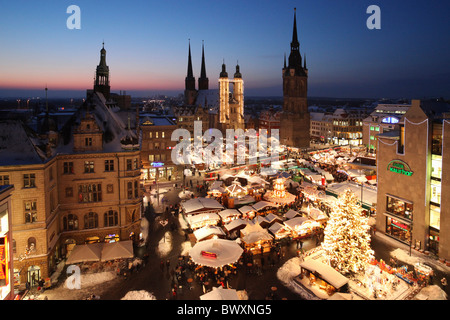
x: 31, y: 245
x: 70, y: 222
x: 91, y: 220
x: 111, y: 218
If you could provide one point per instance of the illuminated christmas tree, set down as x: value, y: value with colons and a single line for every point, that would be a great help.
x: 347, y: 239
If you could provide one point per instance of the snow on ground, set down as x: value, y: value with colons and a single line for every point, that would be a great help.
x: 139, y: 295
x: 289, y: 270
x: 165, y: 245
x: 432, y: 292
x: 185, y: 195
x: 92, y: 279
x: 144, y: 228
x: 185, y: 248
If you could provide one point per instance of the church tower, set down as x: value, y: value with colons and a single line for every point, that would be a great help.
x: 190, y: 93
x: 294, y: 130
x: 203, y: 82
x: 102, y: 76
x: 224, y: 96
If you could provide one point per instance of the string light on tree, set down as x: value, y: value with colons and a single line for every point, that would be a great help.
x: 346, y: 237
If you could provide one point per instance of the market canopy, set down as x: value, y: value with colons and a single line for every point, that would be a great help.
x: 117, y: 250
x: 85, y: 253
x: 220, y: 293
x: 253, y: 233
x: 215, y: 253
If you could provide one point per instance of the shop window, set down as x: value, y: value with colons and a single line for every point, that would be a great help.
x: 435, y: 191
x: 435, y: 216
x: 436, y: 166
x: 399, y: 207
x: 398, y: 230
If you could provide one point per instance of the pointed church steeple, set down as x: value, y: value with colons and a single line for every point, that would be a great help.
x: 203, y: 82
x: 295, y: 59
x: 102, y: 75
x: 190, y: 80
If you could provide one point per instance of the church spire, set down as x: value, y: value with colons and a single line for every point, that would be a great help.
x: 190, y: 80
x: 203, y: 82
x: 295, y: 59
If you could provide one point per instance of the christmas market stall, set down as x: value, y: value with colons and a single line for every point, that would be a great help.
x: 247, y: 211
x: 202, y: 220
x: 321, y: 279
x: 272, y: 218
x: 279, y: 195
x: 233, y: 228
x: 229, y: 215
x: 263, y: 207
x: 200, y: 205
x: 279, y: 231
x: 301, y: 227
x: 216, y: 190
x: 256, y: 239
x: 215, y: 253
x: 209, y: 232
x: 292, y: 214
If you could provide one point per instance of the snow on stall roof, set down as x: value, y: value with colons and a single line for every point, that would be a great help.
x: 207, y: 231
x: 200, y: 203
x: 229, y: 212
x: 326, y: 272
x: 235, y: 224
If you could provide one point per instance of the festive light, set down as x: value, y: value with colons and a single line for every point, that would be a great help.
x: 346, y: 237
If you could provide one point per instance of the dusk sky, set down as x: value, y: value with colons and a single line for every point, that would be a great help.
x: 147, y: 46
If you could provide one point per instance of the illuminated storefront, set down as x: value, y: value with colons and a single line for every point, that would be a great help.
x: 6, y: 268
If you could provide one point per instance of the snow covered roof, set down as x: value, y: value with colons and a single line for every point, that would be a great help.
x: 297, y: 221
x: 246, y: 209
x: 207, y: 231
x: 220, y: 293
x: 202, y: 217
x: 262, y: 204
x: 199, y: 204
x: 236, y: 223
x: 326, y: 272
x: 292, y: 214
x: 253, y: 232
x: 19, y: 146
x: 229, y: 212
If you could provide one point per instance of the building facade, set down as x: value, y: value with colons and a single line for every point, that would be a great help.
x: 156, y: 150
x: 382, y: 119
x: 6, y: 245
x: 413, y: 163
x: 295, y: 118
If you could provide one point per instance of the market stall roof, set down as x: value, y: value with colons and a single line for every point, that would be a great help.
x: 276, y: 227
x: 117, y: 250
x: 235, y: 224
x: 271, y: 218
x: 369, y: 193
x: 253, y: 232
x: 246, y: 209
x: 207, y: 231
x: 229, y: 212
x: 85, y: 253
x: 219, y: 252
x: 292, y: 214
x: 262, y: 204
x: 220, y: 293
x: 199, y: 204
x: 297, y: 221
x: 202, y: 217
x: 262, y: 221
x: 326, y: 272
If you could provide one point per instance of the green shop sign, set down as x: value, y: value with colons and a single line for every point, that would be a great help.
x: 399, y: 166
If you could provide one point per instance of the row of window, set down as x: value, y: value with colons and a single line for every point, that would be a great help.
x: 110, y: 219
x: 89, y: 166
x: 156, y: 134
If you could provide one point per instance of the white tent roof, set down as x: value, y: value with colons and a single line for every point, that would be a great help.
x: 276, y: 227
x: 207, y: 231
x: 226, y: 251
x: 326, y: 272
x: 253, y: 232
x: 85, y: 253
x: 317, y: 214
x: 220, y: 294
x: 117, y: 250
